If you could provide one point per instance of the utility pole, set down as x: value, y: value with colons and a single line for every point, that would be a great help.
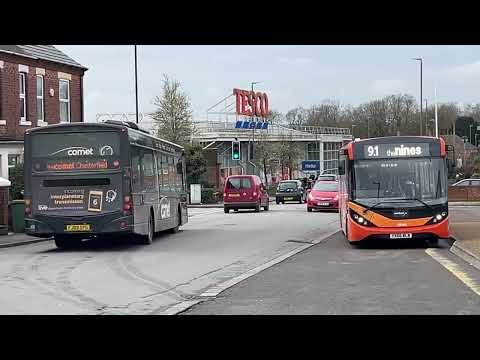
x: 136, y: 86
x: 436, y: 117
x: 421, y: 91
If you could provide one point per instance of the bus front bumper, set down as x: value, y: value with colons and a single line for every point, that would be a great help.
x: 101, y: 225
x: 358, y: 232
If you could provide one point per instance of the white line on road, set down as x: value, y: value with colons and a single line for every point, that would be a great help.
x: 219, y: 288
x: 455, y: 270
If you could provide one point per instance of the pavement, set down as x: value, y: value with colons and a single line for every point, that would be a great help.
x: 17, y: 239
x: 465, y: 229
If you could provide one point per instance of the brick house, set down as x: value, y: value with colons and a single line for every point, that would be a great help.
x: 39, y: 85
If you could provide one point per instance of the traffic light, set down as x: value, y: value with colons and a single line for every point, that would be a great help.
x: 235, y: 150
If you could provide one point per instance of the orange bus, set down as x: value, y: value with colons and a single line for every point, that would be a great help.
x: 394, y: 188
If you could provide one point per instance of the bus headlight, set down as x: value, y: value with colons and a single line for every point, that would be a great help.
x: 438, y: 217
x: 359, y: 219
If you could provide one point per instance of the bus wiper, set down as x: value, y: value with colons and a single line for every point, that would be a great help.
x: 421, y: 201
x: 399, y: 201
x: 378, y: 203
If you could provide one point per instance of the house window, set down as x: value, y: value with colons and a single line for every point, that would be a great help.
x: 40, y: 99
x: 64, y: 100
x: 13, y: 160
x: 23, y: 102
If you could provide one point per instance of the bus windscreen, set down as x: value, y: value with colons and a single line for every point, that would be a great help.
x: 420, y: 178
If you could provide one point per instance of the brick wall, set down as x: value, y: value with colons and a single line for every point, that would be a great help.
x: 464, y: 193
x: 9, y: 94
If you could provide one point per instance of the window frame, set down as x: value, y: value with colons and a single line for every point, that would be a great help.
x: 41, y: 98
x: 23, y: 96
x: 67, y: 101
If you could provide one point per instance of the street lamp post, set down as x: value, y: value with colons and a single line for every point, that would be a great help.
x: 353, y: 137
x: 136, y: 86
x: 421, y: 91
x: 426, y: 117
x: 470, y: 133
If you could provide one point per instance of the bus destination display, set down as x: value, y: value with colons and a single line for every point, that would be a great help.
x: 396, y: 150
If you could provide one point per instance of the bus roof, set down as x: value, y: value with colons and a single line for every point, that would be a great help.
x: 84, y: 126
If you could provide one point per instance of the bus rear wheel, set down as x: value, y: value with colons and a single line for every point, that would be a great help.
x: 175, y: 229
x: 148, y: 238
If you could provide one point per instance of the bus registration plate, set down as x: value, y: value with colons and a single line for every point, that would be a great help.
x: 401, y: 236
x: 78, y: 227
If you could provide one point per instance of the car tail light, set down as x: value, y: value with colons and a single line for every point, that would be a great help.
x: 224, y: 195
x: 116, y: 163
x: 123, y: 225
x: 255, y: 193
x: 127, y: 205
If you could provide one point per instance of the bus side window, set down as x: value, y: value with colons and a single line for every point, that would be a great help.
x: 136, y: 172
x: 159, y: 170
x: 149, y: 175
x: 166, y: 183
x: 171, y: 173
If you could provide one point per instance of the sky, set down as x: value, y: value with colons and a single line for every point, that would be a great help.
x: 291, y: 75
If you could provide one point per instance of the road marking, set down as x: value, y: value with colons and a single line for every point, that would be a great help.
x: 219, y: 288
x: 455, y: 270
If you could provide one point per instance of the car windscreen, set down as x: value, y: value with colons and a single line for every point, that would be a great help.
x: 75, y: 151
x: 239, y: 183
x: 326, y: 186
x: 288, y: 185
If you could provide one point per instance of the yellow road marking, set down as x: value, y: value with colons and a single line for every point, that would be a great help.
x: 455, y: 270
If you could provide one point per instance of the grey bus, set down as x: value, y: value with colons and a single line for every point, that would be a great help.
x: 102, y: 180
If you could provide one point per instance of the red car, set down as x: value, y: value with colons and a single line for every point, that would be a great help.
x: 323, y: 196
x: 245, y: 192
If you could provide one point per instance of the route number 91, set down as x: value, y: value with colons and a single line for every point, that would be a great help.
x: 372, y: 150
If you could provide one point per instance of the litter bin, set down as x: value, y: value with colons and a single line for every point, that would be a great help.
x: 17, y: 208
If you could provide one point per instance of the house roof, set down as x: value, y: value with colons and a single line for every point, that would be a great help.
x: 43, y: 52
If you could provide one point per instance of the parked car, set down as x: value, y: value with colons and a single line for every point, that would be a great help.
x: 290, y: 190
x: 468, y: 182
x: 327, y: 177
x: 324, y: 195
x: 244, y: 192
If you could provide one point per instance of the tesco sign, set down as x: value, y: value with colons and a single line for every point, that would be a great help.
x: 250, y: 103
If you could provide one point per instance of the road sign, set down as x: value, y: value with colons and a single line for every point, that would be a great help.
x: 310, y: 165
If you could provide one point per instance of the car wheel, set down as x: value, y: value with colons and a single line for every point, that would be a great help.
x: 257, y: 207
x: 266, y: 208
x: 226, y: 210
x: 236, y: 210
x: 309, y: 209
x: 278, y: 202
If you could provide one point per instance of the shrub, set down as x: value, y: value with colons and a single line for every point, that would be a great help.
x: 16, y: 178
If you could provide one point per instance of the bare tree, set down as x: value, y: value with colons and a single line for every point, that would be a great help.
x: 173, y: 116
